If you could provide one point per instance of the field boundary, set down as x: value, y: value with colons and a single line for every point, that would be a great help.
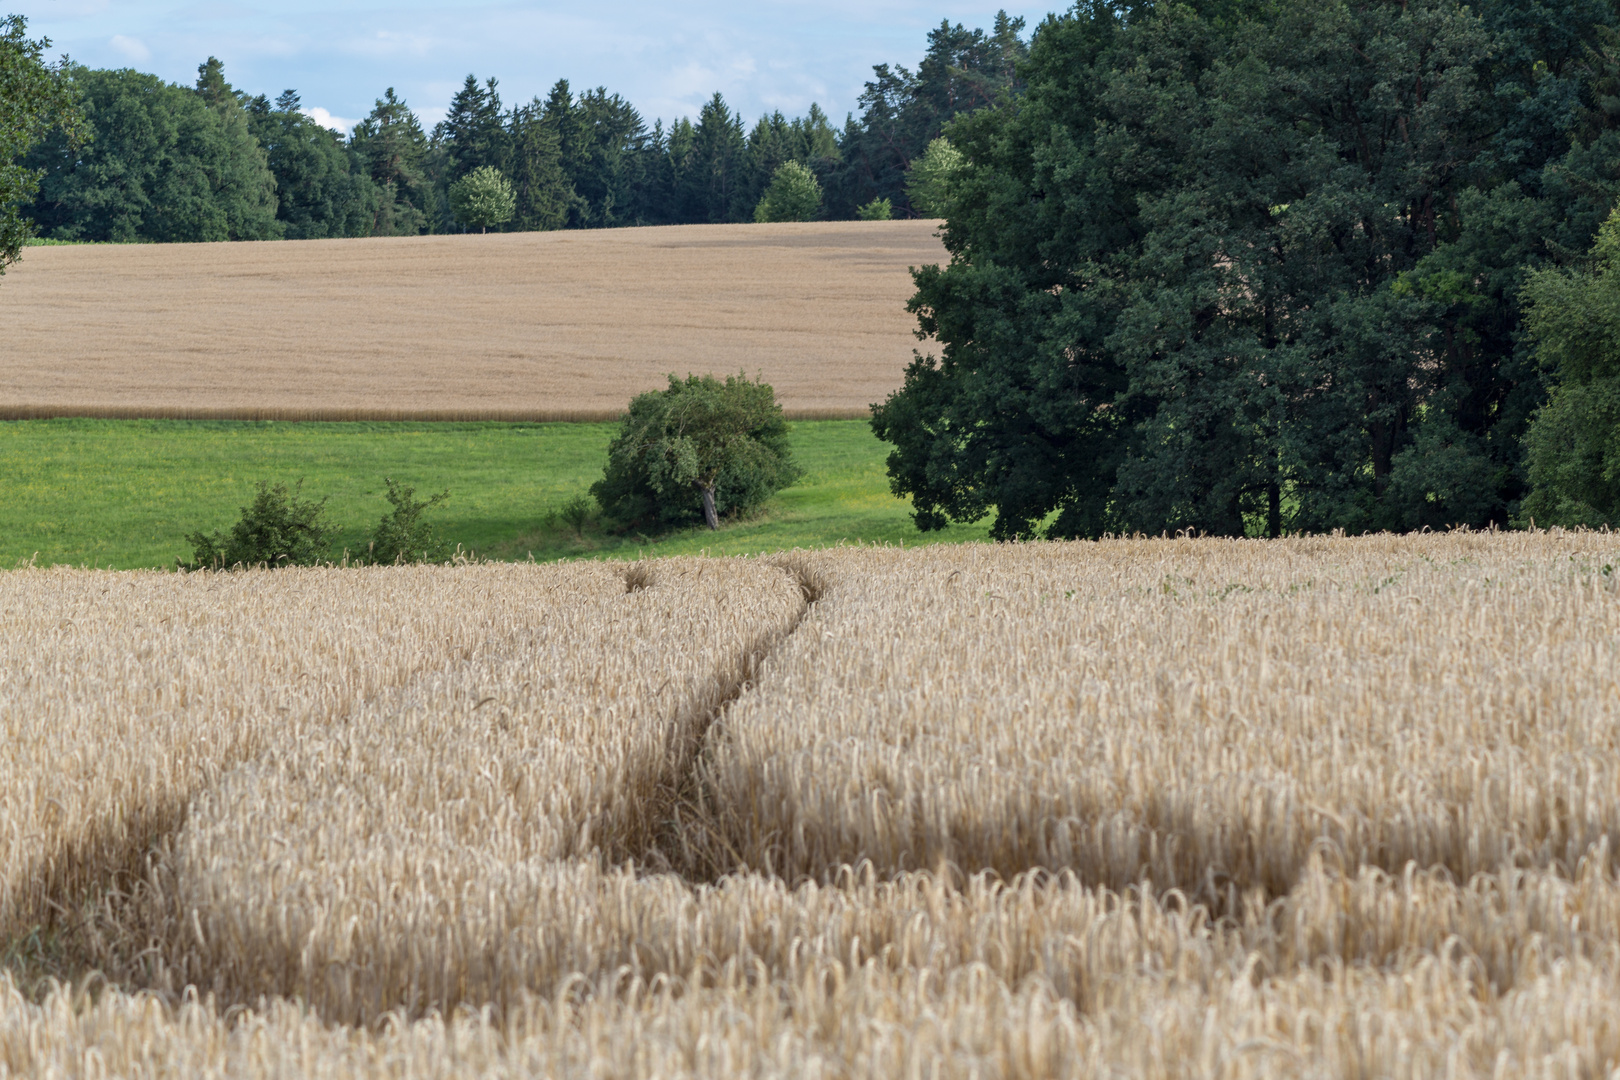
x: 379, y: 415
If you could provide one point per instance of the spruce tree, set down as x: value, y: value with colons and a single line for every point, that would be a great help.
x: 391, y: 143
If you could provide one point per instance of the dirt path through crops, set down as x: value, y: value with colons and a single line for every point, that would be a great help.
x: 120, y: 881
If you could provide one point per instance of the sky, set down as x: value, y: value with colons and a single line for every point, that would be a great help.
x: 665, y: 58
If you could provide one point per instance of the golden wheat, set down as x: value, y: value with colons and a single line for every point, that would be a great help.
x: 408, y: 857
x: 1165, y: 808
x: 1512, y: 975
x: 516, y: 326
x: 1203, y: 713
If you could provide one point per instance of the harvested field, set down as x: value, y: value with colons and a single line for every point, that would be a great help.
x: 1165, y: 808
x: 514, y: 326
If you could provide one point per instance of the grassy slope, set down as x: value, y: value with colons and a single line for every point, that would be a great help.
x: 123, y: 493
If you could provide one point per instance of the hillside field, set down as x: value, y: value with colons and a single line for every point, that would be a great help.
x: 513, y: 326
x: 1166, y: 808
x: 124, y: 493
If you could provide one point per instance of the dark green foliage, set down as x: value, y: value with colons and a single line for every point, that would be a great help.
x: 472, y: 135
x: 902, y: 111
x: 322, y: 186
x: 1573, y: 445
x: 710, y: 164
x: 34, y: 98
x: 545, y: 197
x: 576, y: 513
x: 159, y: 162
x: 404, y: 535
x: 277, y: 529
x: 391, y: 145
x: 613, y: 164
x: 168, y: 167
x: 696, y: 451
x: 775, y: 140
x: 1244, y: 268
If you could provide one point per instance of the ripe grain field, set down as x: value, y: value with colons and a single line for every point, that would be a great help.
x: 1162, y: 808
x: 513, y: 326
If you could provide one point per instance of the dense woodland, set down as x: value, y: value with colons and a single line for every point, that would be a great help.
x: 163, y: 162
x: 1248, y: 267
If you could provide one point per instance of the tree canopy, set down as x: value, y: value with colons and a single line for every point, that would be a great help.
x: 793, y: 195
x: 483, y: 198
x: 211, y: 162
x: 159, y: 162
x: 34, y: 99
x: 1573, y: 445
x: 929, y: 181
x: 1246, y: 268
x: 701, y: 447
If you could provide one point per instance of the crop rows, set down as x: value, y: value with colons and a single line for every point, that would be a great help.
x: 564, y: 325
x: 1163, y: 808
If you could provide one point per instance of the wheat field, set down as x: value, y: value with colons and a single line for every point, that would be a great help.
x: 1318, y: 807
x: 511, y: 326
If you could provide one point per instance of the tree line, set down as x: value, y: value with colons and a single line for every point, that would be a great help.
x: 1252, y: 267
x: 155, y: 161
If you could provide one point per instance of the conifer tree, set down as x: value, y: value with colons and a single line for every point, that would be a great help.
x: 394, y: 149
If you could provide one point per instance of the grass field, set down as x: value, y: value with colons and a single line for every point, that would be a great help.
x: 543, y: 326
x: 1317, y: 807
x: 123, y: 493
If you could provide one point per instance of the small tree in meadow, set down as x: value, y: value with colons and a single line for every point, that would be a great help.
x: 483, y: 198
x: 277, y: 529
x: 794, y: 195
x: 700, y: 448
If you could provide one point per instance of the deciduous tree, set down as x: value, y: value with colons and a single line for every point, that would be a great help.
x: 159, y: 162
x: 34, y: 98
x: 1573, y: 445
x: 1239, y: 268
x: 794, y: 195
x: 700, y: 447
x: 322, y: 186
x: 483, y: 198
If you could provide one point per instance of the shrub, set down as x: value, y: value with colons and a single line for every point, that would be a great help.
x: 794, y: 195
x: 277, y: 529
x: 403, y: 536
x: 700, y: 449
x: 576, y: 513
x: 876, y: 210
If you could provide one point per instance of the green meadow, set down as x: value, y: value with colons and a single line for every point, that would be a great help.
x: 124, y: 493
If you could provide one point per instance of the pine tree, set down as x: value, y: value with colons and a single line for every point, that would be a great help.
x: 713, y: 169
x: 472, y: 134
x: 393, y: 146
x: 544, y: 195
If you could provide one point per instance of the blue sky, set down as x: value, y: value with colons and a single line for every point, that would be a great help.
x: 665, y: 58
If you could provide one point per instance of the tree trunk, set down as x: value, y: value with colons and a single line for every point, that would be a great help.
x: 710, y: 518
x: 1274, y: 510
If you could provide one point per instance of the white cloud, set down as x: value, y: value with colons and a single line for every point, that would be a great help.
x: 327, y: 120
x: 133, y: 48
x: 390, y: 43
